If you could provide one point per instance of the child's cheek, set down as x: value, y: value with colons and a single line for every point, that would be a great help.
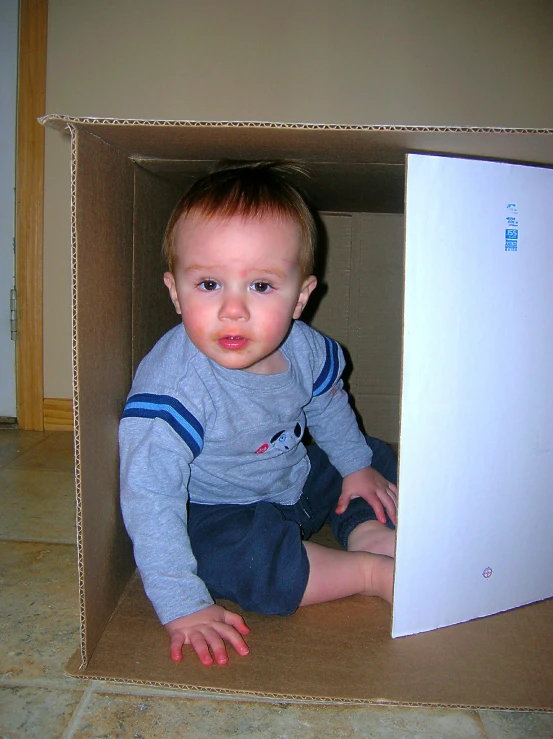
x: 275, y: 326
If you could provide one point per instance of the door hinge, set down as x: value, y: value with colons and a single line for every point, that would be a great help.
x: 13, y: 314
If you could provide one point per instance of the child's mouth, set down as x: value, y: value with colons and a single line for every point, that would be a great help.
x: 233, y: 342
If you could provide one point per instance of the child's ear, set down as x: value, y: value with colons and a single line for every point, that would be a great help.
x: 169, y: 281
x: 308, y: 285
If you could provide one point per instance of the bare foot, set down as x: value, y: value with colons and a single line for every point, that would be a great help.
x: 372, y: 536
x: 379, y: 573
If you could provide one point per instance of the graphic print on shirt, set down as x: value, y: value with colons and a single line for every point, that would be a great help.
x: 283, y: 440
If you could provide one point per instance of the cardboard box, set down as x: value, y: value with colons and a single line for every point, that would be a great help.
x: 127, y: 176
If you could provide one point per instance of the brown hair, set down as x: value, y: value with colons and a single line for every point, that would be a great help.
x: 250, y: 189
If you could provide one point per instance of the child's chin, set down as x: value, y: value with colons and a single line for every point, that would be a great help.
x: 233, y: 361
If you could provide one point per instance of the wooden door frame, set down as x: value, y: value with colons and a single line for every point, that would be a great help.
x: 29, y: 212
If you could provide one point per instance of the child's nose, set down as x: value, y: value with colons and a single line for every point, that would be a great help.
x: 234, y: 308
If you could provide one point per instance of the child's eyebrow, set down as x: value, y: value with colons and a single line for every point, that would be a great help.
x: 261, y: 271
x: 200, y: 268
x: 271, y: 271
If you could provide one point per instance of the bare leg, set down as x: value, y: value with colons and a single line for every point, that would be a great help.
x: 372, y: 536
x: 334, y: 573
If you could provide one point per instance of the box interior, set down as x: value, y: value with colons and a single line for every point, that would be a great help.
x: 127, y: 177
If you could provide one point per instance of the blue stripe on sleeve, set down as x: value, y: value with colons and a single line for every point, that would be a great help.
x: 187, y: 426
x: 330, y: 371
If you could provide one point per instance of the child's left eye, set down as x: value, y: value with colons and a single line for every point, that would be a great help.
x: 261, y: 287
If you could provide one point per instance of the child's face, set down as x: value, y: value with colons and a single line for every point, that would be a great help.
x: 237, y: 285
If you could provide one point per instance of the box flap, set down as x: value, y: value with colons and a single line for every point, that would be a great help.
x: 314, y: 142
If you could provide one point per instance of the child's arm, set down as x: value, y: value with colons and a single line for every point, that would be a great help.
x: 334, y: 427
x: 369, y: 484
x: 205, y: 631
x: 154, y: 478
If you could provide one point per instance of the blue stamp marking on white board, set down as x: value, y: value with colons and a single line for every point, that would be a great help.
x: 511, y: 230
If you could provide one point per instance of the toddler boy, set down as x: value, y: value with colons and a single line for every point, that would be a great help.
x: 219, y: 494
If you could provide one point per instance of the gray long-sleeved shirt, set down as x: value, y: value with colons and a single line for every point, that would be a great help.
x: 193, y: 429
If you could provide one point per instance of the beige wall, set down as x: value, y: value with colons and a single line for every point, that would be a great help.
x: 459, y: 62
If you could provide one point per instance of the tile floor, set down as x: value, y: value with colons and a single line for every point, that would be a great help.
x: 39, y: 632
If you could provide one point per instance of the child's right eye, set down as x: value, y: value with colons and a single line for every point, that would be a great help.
x: 208, y: 285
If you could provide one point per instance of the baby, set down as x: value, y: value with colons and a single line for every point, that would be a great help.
x: 219, y: 494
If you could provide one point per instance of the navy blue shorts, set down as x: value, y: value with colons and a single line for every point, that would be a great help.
x: 253, y: 554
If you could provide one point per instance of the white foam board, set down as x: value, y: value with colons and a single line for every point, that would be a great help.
x: 476, y: 437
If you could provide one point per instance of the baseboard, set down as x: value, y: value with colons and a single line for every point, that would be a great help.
x: 58, y: 414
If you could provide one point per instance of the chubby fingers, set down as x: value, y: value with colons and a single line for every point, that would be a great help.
x: 387, y: 503
x: 234, y: 636
x: 208, y: 641
x: 237, y: 622
x: 379, y: 507
x: 177, y: 643
x: 211, y: 641
x: 392, y: 491
x: 382, y: 498
x: 343, y: 501
x: 391, y: 508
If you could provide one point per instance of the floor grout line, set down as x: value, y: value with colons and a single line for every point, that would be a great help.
x: 32, y: 448
x: 482, y: 725
x: 78, y: 713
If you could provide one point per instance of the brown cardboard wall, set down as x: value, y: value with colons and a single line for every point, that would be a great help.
x: 361, y: 307
x: 379, y: 272
x: 329, y: 307
x: 103, y: 295
x: 152, y: 311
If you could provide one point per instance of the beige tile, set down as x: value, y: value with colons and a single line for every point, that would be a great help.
x: 38, y: 610
x: 13, y: 443
x: 158, y: 717
x: 416, y: 723
x: 518, y: 725
x: 35, y: 714
x: 37, y: 506
x: 54, y: 452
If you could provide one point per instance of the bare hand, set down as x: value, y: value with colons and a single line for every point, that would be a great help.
x: 370, y: 485
x: 205, y: 631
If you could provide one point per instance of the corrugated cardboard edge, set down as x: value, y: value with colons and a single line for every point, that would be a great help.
x: 64, y: 123
x: 74, y: 669
x: 86, y: 629
x: 76, y: 415
x: 402, y: 360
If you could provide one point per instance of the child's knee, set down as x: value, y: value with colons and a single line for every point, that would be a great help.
x: 374, y: 537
